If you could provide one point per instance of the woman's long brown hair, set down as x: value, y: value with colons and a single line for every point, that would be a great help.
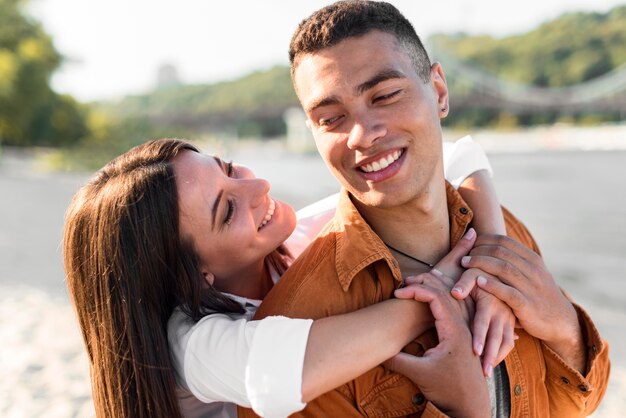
x: 127, y: 269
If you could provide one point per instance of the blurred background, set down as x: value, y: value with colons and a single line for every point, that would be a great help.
x: 541, y: 87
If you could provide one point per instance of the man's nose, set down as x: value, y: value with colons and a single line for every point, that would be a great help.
x: 364, y: 134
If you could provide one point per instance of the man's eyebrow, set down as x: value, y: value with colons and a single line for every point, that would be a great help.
x: 378, y: 78
x: 216, y: 204
x: 326, y: 101
x: 360, y: 89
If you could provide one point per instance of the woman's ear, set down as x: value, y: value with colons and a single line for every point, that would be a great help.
x: 209, y: 278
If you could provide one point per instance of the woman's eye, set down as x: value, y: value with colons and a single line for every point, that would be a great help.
x: 387, y: 96
x: 230, y: 212
x: 229, y: 169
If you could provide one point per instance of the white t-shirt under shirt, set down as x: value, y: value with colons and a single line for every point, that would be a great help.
x: 225, y: 360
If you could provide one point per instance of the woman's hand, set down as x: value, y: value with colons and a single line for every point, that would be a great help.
x: 493, y: 325
x: 449, y: 374
x: 492, y: 321
x: 448, y: 270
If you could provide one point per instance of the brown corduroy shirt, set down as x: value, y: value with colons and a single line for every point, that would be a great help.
x: 349, y: 267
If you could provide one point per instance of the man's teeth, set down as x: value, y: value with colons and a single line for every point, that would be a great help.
x: 382, y: 163
x: 269, y: 214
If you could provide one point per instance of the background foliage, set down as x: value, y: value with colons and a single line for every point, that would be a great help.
x: 30, y: 112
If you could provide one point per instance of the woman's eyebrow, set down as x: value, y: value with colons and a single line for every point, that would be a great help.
x: 220, y: 162
x: 218, y: 200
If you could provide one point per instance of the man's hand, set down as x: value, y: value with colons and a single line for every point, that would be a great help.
x: 530, y: 290
x: 449, y: 374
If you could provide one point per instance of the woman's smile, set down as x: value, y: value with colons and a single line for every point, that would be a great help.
x: 270, y: 212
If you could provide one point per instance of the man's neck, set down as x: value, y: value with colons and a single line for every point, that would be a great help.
x: 419, y: 228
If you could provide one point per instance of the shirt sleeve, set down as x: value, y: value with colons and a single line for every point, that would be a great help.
x: 462, y: 158
x: 571, y: 389
x: 255, y: 364
x: 275, y: 364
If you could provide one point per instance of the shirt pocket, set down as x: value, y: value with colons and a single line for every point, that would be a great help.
x: 394, y: 396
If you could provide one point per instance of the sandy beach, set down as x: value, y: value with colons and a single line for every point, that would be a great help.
x: 573, y: 201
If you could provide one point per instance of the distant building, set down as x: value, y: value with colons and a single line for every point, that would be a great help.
x: 167, y: 76
x: 299, y: 137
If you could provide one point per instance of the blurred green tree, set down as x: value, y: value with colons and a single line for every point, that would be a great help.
x: 31, y: 113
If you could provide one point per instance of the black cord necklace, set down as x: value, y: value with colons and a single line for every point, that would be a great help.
x: 410, y: 256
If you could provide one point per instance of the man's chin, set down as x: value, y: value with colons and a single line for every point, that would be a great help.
x: 376, y: 199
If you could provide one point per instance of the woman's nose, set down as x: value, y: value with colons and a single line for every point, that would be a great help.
x: 258, y: 189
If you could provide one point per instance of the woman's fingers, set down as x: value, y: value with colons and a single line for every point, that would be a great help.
x: 419, y: 289
x: 466, y: 283
x: 411, y: 366
x: 492, y: 346
x: 450, y: 264
x: 480, y: 327
x: 507, y: 344
x: 447, y: 281
x: 434, y: 279
x: 414, y: 280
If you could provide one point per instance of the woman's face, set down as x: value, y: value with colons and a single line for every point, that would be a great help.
x: 228, y: 215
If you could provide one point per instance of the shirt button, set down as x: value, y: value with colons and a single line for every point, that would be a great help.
x: 464, y: 211
x: 518, y: 390
x: 418, y: 399
x: 582, y: 388
x: 565, y: 380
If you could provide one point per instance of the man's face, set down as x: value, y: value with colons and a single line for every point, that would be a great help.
x: 375, y: 123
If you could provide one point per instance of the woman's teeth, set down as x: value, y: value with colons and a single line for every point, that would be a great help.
x: 269, y: 214
x: 382, y: 163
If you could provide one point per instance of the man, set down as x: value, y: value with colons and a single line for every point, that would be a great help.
x: 374, y: 103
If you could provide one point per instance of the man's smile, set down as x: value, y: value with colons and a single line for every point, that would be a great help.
x: 382, y: 166
x: 382, y: 162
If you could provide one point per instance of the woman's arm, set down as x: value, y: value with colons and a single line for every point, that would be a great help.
x: 342, y: 347
x: 480, y: 194
x: 467, y: 168
x: 275, y: 364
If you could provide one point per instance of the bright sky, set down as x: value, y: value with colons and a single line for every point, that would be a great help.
x: 114, y: 47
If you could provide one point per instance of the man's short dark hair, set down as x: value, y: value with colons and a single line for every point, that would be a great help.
x: 345, y: 19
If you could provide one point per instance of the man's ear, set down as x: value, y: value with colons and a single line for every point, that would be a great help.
x: 209, y: 278
x: 438, y: 81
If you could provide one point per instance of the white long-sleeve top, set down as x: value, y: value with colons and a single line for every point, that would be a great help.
x: 222, y: 360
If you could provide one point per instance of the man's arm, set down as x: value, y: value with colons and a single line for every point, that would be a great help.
x: 530, y: 290
x: 576, y: 357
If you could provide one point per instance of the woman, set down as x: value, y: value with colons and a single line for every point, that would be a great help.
x: 132, y: 258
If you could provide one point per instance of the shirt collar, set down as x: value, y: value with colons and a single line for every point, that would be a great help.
x: 358, y: 246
